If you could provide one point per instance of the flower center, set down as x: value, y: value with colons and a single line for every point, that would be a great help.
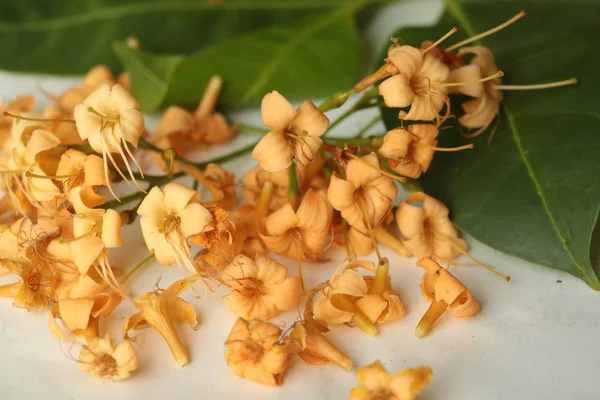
x: 107, y: 365
x: 251, y: 287
x: 171, y: 223
x: 33, y: 282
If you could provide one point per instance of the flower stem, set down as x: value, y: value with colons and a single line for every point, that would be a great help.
x: 254, y: 130
x: 374, y: 141
x: 137, y: 267
x: 335, y: 100
x: 368, y: 126
x: 435, y: 311
x: 293, y: 194
x: 364, y: 102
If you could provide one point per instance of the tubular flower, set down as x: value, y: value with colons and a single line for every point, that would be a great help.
x: 257, y: 179
x: 444, y: 292
x: 480, y: 111
x: 427, y: 229
x: 299, y: 234
x: 376, y: 383
x: 308, y: 335
x: 410, y: 151
x: 160, y: 310
x: 169, y: 218
x: 416, y: 84
x: 101, y: 358
x: 259, y: 289
x: 95, y: 230
x: 252, y: 351
x: 295, y: 133
x: 21, y: 105
x: 182, y: 130
x: 381, y: 308
x: 109, y: 120
x: 85, y: 171
x: 365, y: 187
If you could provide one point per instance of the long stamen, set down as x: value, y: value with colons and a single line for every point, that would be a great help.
x: 10, y: 115
x: 440, y: 40
x: 112, y: 280
x: 105, y: 117
x: 447, y: 149
x: 133, y: 158
x: 396, y: 177
x: 498, y: 74
x: 58, y: 177
x: 566, y: 82
x: 503, y: 25
x: 137, y: 268
x: 129, y: 170
x: 91, y: 232
x: 106, y: 176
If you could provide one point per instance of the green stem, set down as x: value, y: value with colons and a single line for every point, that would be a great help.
x: 370, y: 141
x: 255, y: 130
x: 124, y: 200
x: 335, y: 100
x: 368, y: 126
x: 293, y: 193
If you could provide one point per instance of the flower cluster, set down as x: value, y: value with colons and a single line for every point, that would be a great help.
x: 308, y: 194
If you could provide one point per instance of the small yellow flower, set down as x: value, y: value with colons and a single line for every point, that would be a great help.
x: 168, y: 218
x: 427, y: 229
x: 295, y: 133
x: 21, y: 105
x: 410, y: 150
x: 36, y: 287
x: 86, y: 171
x: 253, y: 352
x: 376, y: 383
x: 160, y: 310
x: 255, y: 180
x: 101, y: 358
x: 366, y: 186
x: 260, y: 289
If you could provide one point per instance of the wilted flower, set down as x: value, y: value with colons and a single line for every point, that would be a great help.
x: 427, y: 229
x: 160, y: 310
x: 100, y: 357
x: 109, y: 120
x: 299, y: 234
x: 295, y: 133
x: 253, y: 352
x: 35, y: 289
x: 259, y: 289
x: 364, y: 188
x: 254, y: 181
x: 444, y: 292
x: 219, y: 182
x: 169, y: 218
x: 410, y: 150
x: 377, y: 383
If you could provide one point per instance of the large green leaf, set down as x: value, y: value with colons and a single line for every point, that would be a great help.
x: 534, y: 192
x: 61, y: 36
x: 314, y: 56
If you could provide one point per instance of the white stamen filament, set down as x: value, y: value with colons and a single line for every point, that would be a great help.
x: 488, y: 32
x: 106, y: 176
x: 566, y: 82
x: 133, y: 158
x: 440, y: 40
x: 124, y: 158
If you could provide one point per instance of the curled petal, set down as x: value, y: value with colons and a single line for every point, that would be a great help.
x: 273, y: 152
x: 276, y: 112
x: 396, y: 92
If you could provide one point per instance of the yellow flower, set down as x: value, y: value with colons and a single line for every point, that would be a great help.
x: 255, y: 180
x: 36, y: 287
x: 302, y: 233
x: 416, y: 83
x: 259, y: 289
x: 410, y: 151
x: 219, y: 182
x: 427, y: 229
x: 295, y: 133
x: 376, y: 383
x: 86, y: 171
x: 444, y: 292
x: 252, y: 351
x: 160, y: 310
x: 101, y: 358
x: 20, y: 106
x: 366, y: 186
x: 168, y: 219
x: 108, y: 118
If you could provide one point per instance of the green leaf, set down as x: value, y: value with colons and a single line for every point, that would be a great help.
x: 534, y: 192
x: 315, y: 56
x: 72, y: 36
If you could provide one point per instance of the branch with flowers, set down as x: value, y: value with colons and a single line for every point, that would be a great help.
x: 309, y: 192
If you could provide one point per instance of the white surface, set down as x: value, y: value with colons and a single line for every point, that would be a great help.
x: 535, y: 338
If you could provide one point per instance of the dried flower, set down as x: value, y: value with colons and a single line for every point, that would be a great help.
x: 254, y: 181
x: 427, y: 229
x: 295, y: 133
x: 219, y: 182
x: 160, y: 310
x: 81, y: 315
x: 85, y: 171
x: 169, y: 218
x: 444, y: 292
x: 182, y: 130
x: 377, y: 383
x: 109, y: 120
x: 101, y: 358
x: 253, y: 352
x: 417, y: 83
x: 302, y: 233
x: 364, y: 188
x: 410, y: 150
x: 35, y: 289
x: 259, y: 289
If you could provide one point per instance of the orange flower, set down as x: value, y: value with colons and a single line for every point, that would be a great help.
x: 254, y: 181
x: 443, y: 291
x: 376, y: 383
x: 295, y: 133
x: 410, y: 150
x: 366, y: 186
x: 182, y: 130
x: 253, y: 352
x: 21, y: 105
x: 302, y: 233
x: 36, y: 287
x: 85, y: 171
x: 100, y: 357
x: 416, y: 84
x: 427, y: 229
x: 259, y: 289
x: 219, y: 182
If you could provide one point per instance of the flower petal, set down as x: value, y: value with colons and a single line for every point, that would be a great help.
x: 309, y: 120
x: 282, y: 220
x: 276, y: 112
x: 177, y: 197
x: 194, y: 219
x: 340, y: 193
x: 273, y: 152
x: 153, y: 203
x: 359, y: 173
x: 396, y: 92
